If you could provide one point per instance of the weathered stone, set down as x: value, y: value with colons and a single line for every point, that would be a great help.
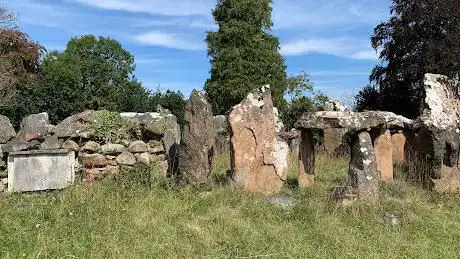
x: 353, y: 121
x: 161, y: 168
x: 112, y: 170
x: 196, y: 150
x: 172, y: 135
x: 93, y: 160
x: 126, y: 158
x: 112, y: 149
x: 40, y: 170
x: 70, y: 145
x: 221, y: 135
x: 384, y: 155
x: 35, y: 126
x: 6, y: 130
x: 111, y: 162
x: 152, y: 123
x: 16, y: 145
x: 4, y: 181
x: 90, y: 147
x: 51, y: 142
x: 91, y: 174
x: 334, y: 144
x: 363, y: 174
x: 138, y: 146
x: 75, y: 126
x: 254, y: 144
x: 281, y: 158
x: 399, y: 148
x: 144, y: 158
x: 306, y: 159
x: 158, y: 157
x: 2, y: 187
x: 155, y: 143
x: 157, y: 150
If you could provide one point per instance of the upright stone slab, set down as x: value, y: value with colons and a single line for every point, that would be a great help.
x: 306, y: 159
x: 40, y: 170
x: 197, y: 145
x: 398, y: 141
x: 258, y: 159
x: 362, y: 173
x: 384, y: 155
x: 333, y: 141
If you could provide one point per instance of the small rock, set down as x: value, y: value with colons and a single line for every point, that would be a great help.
x: 112, y: 162
x: 70, y: 145
x: 4, y: 174
x: 126, y: 158
x: 157, y: 150
x: 110, y: 149
x: 392, y: 219
x: 51, y: 142
x: 155, y: 143
x: 16, y: 145
x: 109, y: 157
x: 94, y: 160
x: 90, y: 146
x: 5, y: 181
x: 138, y: 146
x: 286, y: 202
x: 144, y: 158
x: 158, y: 157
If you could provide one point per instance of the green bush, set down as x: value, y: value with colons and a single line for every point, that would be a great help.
x: 110, y: 127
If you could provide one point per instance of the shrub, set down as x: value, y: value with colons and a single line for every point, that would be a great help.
x: 111, y: 127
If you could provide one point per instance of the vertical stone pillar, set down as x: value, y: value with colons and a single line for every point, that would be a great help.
x: 363, y: 174
x: 398, y: 144
x: 384, y: 155
x: 306, y: 159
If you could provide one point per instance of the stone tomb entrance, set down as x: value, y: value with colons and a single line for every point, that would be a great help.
x: 368, y: 134
x: 40, y: 170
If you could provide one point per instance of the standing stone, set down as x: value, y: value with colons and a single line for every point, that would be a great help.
x: 306, y: 159
x: 333, y: 141
x: 363, y: 174
x: 197, y: 145
x: 172, y: 135
x: 384, y: 155
x: 256, y: 163
x: 222, y: 136
x: 398, y: 141
x: 35, y: 126
x: 6, y: 130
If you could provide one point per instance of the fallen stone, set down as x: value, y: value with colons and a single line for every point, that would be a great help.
x: 254, y: 144
x: 6, y: 130
x: 112, y: 149
x: 70, y: 145
x: 384, y: 155
x: 51, y: 142
x: 138, y: 146
x: 126, y: 158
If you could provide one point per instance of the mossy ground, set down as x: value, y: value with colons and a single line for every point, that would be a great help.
x: 114, y: 220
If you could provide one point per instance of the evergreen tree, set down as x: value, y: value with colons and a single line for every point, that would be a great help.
x: 243, y: 54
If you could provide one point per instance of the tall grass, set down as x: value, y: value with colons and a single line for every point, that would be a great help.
x: 126, y: 218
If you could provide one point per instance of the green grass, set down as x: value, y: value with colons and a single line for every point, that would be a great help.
x: 117, y: 220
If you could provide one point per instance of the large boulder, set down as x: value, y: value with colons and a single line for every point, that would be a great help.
x: 196, y: 150
x: 258, y: 159
x: 75, y: 125
x: 6, y: 130
x: 35, y: 126
x: 363, y: 175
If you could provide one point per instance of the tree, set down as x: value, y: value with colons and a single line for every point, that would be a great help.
x: 422, y: 36
x: 19, y: 58
x: 243, y: 55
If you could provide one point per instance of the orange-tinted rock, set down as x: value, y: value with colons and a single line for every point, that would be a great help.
x: 384, y: 155
x: 94, y: 160
x: 306, y: 159
x: 258, y: 158
x: 399, y: 142
x: 333, y: 141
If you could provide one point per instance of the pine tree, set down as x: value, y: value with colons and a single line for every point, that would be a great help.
x: 244, y: 55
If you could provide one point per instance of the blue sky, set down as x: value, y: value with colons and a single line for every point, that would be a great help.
x: 329, y: 39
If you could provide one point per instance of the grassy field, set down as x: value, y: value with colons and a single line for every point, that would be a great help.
x: 114, y: 220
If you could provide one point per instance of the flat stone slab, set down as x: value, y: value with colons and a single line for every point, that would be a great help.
x: 40, y: 170
x: 352, y: 120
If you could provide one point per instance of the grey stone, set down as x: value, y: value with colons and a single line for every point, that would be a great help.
x: 353, y: 121
x: 35, y: 126
x: 363, y: 174
x: 195, y: 153
x: 51, y: 142
x: 111, y: 149
x: 138, y: 146
x: 40, y: 170
x: 70, y: 145
x: 221, y: 124
x: 4, y: 181
x: 17, y: 145
x: 221, y: 135
x: 2, y: 187
x: 157, y: 150
x: 144, y: 158
x: 91, y: 147
x: 126, y: 158
x: 392, y: 219
x: 152, y: 123
x: 283, y: 201
x: 172, y: 135
x: 6, y: 130
x: 75, y: 125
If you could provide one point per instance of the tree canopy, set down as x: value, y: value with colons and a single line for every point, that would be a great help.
x: 422, y: 36
x: 243, y: 55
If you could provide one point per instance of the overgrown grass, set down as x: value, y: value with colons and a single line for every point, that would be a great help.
x: 133, y: 220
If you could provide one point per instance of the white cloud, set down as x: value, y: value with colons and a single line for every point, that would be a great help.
x: 341, y: 47
x: 167, y: 40
x: 157, y: 7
